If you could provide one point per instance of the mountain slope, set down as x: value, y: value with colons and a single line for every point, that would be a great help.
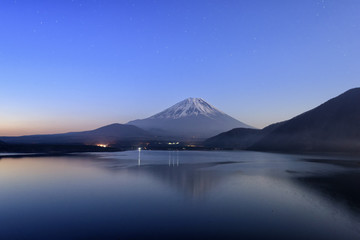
x: 239, y: 138
x: 332, y: 126
x: 190, y: 118
x: 107, y: 134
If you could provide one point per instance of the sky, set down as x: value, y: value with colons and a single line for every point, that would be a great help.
x: 78, y: 65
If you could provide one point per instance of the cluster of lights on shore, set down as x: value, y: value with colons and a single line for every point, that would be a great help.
x: 102, y: 145
x: 105, y: 145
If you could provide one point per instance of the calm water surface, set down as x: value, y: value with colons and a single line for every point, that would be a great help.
x: 180, y: 195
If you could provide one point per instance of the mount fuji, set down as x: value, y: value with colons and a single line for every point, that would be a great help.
x: 191, y: 118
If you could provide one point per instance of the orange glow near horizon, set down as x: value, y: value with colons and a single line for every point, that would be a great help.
x: 32, y: 127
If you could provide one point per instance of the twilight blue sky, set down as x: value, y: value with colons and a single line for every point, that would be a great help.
x: 76, y: 65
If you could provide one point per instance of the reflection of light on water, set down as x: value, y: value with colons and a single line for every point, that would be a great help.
x: 139, y: 159
x: 177, y: 158
x: 173, y: 160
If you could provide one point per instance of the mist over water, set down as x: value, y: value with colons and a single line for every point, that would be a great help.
x: 180, y: 194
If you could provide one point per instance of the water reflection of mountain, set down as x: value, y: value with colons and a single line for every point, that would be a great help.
x: 340, y: 186
x: 332, y: 180
x: 193, y: 180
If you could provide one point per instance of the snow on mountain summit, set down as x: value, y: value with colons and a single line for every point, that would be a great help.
x: 188, y: 107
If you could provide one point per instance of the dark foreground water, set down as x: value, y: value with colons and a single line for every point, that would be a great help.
x: 180, y: 195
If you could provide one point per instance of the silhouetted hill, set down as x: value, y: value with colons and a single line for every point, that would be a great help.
x: 238, y: 138
x: 331, y: 127
x: 2, y: 146
x: 104, y: 135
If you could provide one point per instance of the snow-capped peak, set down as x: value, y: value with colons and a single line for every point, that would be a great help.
x: 188, y: 107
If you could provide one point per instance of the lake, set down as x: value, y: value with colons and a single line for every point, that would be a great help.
x: 180, y: 195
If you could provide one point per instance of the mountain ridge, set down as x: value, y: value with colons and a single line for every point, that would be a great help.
x: 333, y: 126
